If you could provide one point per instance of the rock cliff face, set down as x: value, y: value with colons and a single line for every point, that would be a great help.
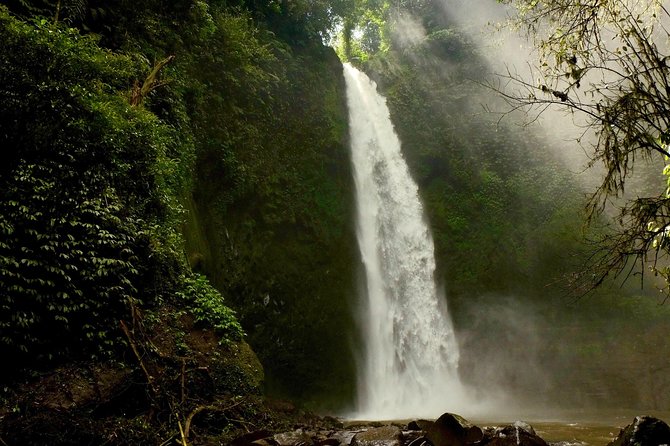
x: 278, y: 242
x: 643, y: 431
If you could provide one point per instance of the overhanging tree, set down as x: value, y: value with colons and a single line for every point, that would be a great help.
x: 607, y: 60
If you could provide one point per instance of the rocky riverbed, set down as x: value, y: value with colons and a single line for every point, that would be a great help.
x: 447, y: 430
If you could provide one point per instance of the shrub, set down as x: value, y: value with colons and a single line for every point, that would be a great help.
x: 206, y: 305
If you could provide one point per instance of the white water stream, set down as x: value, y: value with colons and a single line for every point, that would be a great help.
x: 410, y: 358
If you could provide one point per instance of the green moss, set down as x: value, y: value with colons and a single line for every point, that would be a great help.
x: 239, y: 370
x: 276, y: 225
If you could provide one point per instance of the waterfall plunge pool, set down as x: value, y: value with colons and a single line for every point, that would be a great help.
x: 588, y: 427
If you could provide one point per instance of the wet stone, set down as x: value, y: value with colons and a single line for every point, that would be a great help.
x: 453, y: 430
x: 517, y: 434
x: 344, y: 437
x: 379, y: 436
x: 297, y: 437
x: 643, y: 431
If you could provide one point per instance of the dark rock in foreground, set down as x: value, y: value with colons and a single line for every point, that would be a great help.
x: 517, y: 434
x: 643, y: 431
x: 448, y: 430
x: 298, y: 436
x: 451, y: 430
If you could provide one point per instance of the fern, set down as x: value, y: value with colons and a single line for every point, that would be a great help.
x: 207, y: 307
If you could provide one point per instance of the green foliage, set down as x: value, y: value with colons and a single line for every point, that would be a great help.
x: 89, y: 209
x: 272, y: 198
x: 231, y: 90
x: 68, y: 264
x: 365, y: 31
x: 299, y: 23
x: 253, y: 101
x: 206, y: 305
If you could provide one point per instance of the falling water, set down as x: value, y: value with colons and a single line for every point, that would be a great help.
x: 410, y: 359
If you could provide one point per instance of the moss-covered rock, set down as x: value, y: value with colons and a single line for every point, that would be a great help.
x: 234, y: 368
x: 275, y: 233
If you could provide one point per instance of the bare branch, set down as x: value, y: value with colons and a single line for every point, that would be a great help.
x: 614, y: 49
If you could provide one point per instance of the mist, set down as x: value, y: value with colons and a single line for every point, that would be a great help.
x: 508, y: 53
x: 538, y: 349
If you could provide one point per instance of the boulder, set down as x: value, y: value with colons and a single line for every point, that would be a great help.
x: 452, y: 430
x: 344, y: 437
x: 643, y: 431
x: 518, y: 434
x: 297, y: 437
x: 379, y: 436
x: 525, y: 426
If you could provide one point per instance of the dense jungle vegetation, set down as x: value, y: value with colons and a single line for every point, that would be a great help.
x: 148, y: 144
x: 176, y: 188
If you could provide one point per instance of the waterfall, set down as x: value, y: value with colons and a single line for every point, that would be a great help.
x: 409, y: 363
